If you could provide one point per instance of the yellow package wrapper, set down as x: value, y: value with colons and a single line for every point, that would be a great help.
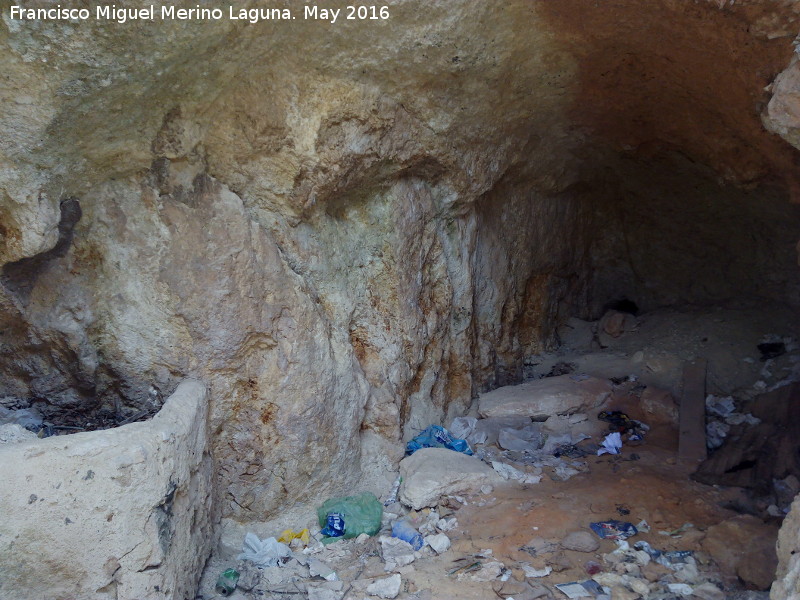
x: 289, y: 534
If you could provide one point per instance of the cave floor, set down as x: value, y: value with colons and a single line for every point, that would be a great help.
x: 644, y: 482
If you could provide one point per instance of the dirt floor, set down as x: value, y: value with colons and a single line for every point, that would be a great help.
x: 523, y: 525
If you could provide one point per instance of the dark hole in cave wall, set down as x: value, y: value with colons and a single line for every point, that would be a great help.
x: 669, y: 233
x: 20, y: 276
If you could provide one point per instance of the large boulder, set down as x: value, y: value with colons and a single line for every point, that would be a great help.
x: 744, y: 548
x: 431, y: 473
x: 542, y: 398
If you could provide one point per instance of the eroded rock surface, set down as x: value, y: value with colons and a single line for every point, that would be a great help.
x: 350, y: 230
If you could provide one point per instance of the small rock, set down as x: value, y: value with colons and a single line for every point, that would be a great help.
x: 708, y: 591
x: 580, y: 541
x: 687, y: 573
x: 388, y: 587
x: 362, y: 538
x: 619, y: 592
x: 680, y: 588
x: 654, y: 571
x: 396, y: 552
x: 486, y: 489
x: 540, y: 545
x: 317, y: 567
x: 609, y: 579
x: 439, y: 542
x: 12, y: 432
x: 639, y: 586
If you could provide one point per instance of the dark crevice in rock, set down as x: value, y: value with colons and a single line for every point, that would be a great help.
x: 20, y: 276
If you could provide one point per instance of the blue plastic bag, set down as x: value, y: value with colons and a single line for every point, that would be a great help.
x: 437, y: 437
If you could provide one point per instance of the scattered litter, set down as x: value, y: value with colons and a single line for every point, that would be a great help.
x: 334, y: 525
x: 509, y: 472
x: 403, y: 530
x: 643, y: 526
x: 592, y: 567
x: 447, y: 524
x: 677, y: 532
x: 720, y: 407
x: 622, y: 510
x: 620, y: 422
x: 488, y: 571
x: 716, y: 432
x: 289, y: 535
x: 350, y: 516
x: 580, y: 589
x: 613, y: 529
x: 226, y: 583
x: 467, y: 568
x: 668, y: 559
x: 436, y: 436
x: 533, y: 573
x: 612, y: 444
x: 266, y: 553
x: 395, y: 490
x: 462, y: 427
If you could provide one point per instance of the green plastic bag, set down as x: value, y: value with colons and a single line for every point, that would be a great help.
x: 362, y: 514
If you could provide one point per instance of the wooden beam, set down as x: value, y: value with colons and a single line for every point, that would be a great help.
x: 692, y: 440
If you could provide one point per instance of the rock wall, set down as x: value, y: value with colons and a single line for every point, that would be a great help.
x: 348, y: 229
x: 120, y: 513
x: 787, y: 577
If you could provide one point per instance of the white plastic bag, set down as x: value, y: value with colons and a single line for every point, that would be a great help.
x: 266, y: 553
x: 611, y: 445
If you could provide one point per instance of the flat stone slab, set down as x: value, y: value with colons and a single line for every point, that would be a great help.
x: 431, y: 473
x: 542, y: 398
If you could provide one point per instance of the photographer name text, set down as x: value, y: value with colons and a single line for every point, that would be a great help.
x: 112, y: 12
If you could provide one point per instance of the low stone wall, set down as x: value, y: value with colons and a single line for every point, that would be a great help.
x: 123, y: 513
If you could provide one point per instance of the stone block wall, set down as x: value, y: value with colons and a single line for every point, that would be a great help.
x: 121, y: 513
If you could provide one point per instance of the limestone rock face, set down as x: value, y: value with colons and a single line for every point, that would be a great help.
x: 120, y: 513
x: 349, y: 230
x: 787, y: 577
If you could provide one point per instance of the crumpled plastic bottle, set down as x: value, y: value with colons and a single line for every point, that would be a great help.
x: 403, y: 530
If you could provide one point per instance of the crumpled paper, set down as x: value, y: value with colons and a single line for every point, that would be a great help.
x: 611, y: 445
